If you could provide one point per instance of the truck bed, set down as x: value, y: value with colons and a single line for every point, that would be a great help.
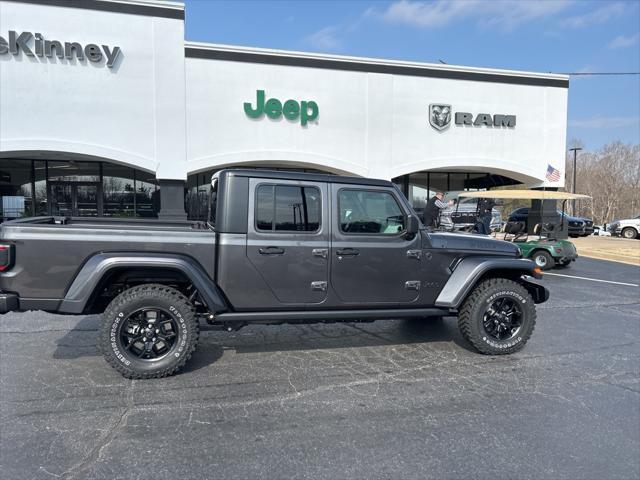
x: 56, y: 248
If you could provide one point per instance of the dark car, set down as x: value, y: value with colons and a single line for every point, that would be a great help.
x: 577, y: 226
x: 278, y: 247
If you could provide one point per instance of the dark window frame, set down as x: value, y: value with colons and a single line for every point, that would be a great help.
x: 273, y: 222
x: 371, y: 190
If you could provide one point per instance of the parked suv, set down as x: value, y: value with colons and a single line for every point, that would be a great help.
x: 278, y: 247
x: 463, y: 215
x: 577, y: 226
x: 627, y: 228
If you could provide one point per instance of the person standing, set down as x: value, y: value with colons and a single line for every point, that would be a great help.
x: 485, y: 208
x: 431, y: 215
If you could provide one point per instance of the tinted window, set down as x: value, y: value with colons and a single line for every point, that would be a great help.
x: 286, y: 208
x: 264, y: 207
x: 366, y: 211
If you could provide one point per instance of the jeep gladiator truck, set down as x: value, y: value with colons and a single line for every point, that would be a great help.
x: 278, y: 247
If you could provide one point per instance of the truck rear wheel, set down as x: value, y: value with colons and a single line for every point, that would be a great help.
x: 498, y: 317
x: 148, y: 331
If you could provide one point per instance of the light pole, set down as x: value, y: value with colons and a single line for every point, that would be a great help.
x: 573, y: 189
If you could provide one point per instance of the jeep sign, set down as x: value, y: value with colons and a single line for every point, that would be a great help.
x: 293, y: 110
x: 40, y: 47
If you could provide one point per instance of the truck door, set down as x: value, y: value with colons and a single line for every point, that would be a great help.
x: 372, y: 260
x: 288, y: 239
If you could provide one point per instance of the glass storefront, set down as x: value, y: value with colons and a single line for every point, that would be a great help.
x: 75, y: 188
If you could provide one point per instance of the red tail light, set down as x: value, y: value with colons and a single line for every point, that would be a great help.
x: 6, y: 257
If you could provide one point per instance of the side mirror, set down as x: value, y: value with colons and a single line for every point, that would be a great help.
x: 413, y: 225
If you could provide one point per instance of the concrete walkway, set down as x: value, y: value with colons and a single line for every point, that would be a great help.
x: 609, y: 248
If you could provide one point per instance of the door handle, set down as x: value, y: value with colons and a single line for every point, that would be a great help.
x: 271, y: 251
x: 417, y: 254
x: 319, y: 252
x: 348, y: 252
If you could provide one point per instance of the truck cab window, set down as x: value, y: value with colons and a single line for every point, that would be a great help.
x: 213, y: 197
x: 367, y: 211
x: 287, y: 208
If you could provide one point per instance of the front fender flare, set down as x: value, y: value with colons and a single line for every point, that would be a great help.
x: 99, y: 265
x: 471, y: 269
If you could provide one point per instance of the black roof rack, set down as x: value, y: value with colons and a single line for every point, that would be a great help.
x: 305, y: 176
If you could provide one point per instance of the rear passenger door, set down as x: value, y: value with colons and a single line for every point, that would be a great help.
x: 372, y: 260
x: 288, y: 239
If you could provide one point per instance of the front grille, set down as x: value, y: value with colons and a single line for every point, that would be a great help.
x: 463, y: 217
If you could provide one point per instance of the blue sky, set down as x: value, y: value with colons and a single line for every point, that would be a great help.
x: 540, y: 35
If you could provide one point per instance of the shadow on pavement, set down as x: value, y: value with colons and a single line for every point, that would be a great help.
x: 81, y: 340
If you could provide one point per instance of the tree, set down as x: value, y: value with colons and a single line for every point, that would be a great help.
x: 611, y: 176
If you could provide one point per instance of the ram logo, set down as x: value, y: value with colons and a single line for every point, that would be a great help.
x: 439, y: 116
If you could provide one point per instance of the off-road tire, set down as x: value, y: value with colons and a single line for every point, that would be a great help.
x: 629, y: 233
x: 147, y: 296
x: 470, y: 317
x: 546, y: 261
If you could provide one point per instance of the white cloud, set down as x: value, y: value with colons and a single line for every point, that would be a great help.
x: 622, y: 42
x: 595, y: 17
x: 325, y: 39
x: 605, y: 122
x: 503, y: 14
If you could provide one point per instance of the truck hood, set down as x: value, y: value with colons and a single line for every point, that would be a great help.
x: 469, y: 241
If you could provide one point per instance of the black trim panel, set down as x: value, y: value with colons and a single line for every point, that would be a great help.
x: 192, y: 52
x: 46, y: 304
x: 320, y: 315
x: 132, y: 8
x: 97, y: 267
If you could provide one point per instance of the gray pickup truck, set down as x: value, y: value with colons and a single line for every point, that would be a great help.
x: 278, y: 247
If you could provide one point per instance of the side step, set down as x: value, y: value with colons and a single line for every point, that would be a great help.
x: 333, y: 315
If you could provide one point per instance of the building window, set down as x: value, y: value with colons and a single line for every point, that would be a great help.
x: 16, y: 188
x: 75, y: 188
x: 118, y: 187
x: 197, y: 195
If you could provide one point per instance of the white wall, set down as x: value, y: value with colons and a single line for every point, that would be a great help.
x: 135, y: 113
x: 375, y: 125
x: 132, y: 113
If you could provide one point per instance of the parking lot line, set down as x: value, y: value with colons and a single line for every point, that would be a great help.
x: 593, y: 279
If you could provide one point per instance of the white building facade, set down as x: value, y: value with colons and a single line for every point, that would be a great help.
x: 106, y: 110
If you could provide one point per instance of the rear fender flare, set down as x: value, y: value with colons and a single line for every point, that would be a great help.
x: 99, y: 265
x: 470, y: 270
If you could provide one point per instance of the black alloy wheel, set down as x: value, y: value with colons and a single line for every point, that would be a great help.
x: 503, y: 318
x: 149, y: 334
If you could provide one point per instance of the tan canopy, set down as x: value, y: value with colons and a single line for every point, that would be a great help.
x: 524, y: 194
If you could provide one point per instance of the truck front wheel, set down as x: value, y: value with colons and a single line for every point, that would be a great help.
x: 498, y: 317
x: 148, y: 331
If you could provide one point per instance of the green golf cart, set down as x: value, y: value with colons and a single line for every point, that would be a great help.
x: 543, y: 246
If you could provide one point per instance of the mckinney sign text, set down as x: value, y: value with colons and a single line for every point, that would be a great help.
x: 35, y: 45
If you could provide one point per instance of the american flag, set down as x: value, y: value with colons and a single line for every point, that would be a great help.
x: 553, y: 174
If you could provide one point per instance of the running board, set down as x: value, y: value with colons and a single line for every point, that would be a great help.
x: 321, y: 315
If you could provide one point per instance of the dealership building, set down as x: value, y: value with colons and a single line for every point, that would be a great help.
x: 106, y: 110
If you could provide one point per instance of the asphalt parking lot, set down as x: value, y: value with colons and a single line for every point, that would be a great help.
x: 390, y: 399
